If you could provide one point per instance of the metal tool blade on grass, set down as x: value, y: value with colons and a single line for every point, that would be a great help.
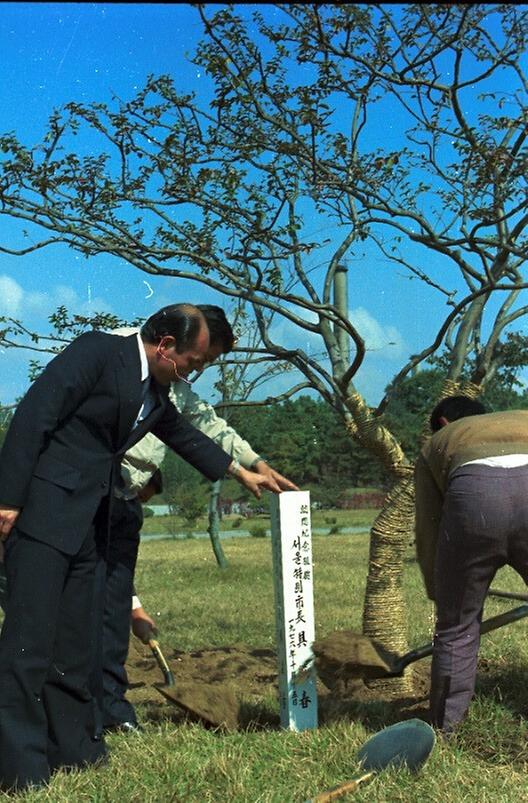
x: 162, y: 663
x: 345, y: 655
x: 405, y: 744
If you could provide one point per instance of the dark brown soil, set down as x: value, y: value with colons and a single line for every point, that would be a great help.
x: 345, y: 655
x: 236, y: 687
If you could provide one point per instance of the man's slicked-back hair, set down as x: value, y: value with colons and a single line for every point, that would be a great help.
x: 453, y: 408
x: 220, y: 331
x: 180, y: 321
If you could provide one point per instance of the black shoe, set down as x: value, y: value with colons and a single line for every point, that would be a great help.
x: 124, y: 727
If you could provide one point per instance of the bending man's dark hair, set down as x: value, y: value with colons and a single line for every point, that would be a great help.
x: 453, y: 408
x: 180, y: 321
x: 220, y: 332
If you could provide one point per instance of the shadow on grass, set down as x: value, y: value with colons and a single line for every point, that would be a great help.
x: 251, y: 717
x: 503, y: 683
x: 373, y: 714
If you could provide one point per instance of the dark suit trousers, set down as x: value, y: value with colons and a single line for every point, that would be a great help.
x: 3, y: 587
x: 114, y: 588
x: 484, y: 526
x: 46, y: 709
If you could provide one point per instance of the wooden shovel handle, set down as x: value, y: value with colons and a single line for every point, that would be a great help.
x: 162, y: 663
x: 342, y: 789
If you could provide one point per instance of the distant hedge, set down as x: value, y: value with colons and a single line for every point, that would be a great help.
x: 362, y: 500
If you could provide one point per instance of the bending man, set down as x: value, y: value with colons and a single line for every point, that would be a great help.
x: 138, y: 469
x: 58, y: 466
x: 471, y: 519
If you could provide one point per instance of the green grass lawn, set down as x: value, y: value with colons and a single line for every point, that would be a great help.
x: 197, y: 605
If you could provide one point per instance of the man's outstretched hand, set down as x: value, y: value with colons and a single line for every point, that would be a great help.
x: 265, y: 470
x: 266, y: 479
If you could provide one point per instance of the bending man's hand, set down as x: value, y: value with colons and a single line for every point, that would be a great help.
x: 143, y: 626
x: 8, y: 516
x: 262, y: 468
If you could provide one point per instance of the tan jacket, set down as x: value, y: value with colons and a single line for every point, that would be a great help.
x: 140, y: 462
x: 459, y: 442
x: 145, y: 457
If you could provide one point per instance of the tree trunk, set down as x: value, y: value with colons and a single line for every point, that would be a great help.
x: 214, y: 525
x: 384, y: 613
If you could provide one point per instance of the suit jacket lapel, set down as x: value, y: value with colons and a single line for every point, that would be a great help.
x: 128, y: 376
x: 144, y: 426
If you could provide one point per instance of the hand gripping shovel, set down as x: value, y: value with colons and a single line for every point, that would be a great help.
x: 406, y: 744
x: 145, y: 631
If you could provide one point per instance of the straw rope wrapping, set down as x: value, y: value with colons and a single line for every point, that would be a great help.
x: 384, y: 615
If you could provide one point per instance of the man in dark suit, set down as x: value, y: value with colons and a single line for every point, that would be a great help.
x: 58, y: 464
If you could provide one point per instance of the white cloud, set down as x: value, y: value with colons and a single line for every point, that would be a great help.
x: 36, y: 302
x: 17, y: 302
x: 385, y: 339
x: 382, y: 341
x: 66, y: 296
x: 386, y: 352
x: 11, y: 296
x: 33, y: 307
x: 386, y: 348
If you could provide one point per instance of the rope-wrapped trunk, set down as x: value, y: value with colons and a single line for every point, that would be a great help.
x: 385, y: 608
x: 384, y: 613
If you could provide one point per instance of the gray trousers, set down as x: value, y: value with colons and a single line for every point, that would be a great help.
x: 484, y: 526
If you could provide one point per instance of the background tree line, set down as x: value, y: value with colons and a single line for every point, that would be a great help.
x: 304, y: 437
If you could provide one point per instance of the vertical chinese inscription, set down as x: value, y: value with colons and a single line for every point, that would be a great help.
x: 293, y: 584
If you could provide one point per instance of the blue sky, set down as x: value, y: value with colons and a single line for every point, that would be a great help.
x: 54, y: 53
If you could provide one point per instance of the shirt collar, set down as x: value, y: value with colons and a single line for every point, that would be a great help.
x: 145, y: 373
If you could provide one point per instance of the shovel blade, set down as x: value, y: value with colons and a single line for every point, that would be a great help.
x: 214, y: 705
x: 407, y: 743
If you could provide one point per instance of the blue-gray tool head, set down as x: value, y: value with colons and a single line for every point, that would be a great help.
x: 405, y: 743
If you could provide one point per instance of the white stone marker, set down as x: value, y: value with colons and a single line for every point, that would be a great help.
x: 291, y: 536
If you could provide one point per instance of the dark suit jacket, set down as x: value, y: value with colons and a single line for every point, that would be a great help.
x: 66, y: 440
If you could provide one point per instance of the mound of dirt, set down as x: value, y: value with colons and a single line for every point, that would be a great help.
x: 346, y: 655
x: 236, y: 687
